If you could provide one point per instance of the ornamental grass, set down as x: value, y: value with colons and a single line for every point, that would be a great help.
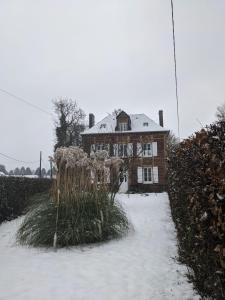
x: 81, y: 207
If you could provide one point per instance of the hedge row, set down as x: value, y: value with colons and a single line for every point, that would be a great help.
x: 196, y: 178
x: 15, y: 193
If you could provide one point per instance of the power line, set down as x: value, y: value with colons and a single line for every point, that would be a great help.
x: 175, y: 69
x: 18, y: 160
x: 25, y: 101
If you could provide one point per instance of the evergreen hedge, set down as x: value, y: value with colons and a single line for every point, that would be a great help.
x: 15, y: 193
x: 196, y: 178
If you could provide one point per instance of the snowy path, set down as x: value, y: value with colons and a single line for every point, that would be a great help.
x: 140, y: 266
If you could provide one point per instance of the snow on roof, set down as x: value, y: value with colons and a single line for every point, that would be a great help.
x: 139, y: 123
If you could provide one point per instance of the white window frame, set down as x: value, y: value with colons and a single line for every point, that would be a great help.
x: 147, y: 149
x: 154, y: 175
x: 123, y: 126
x: 99, y: 147
x: 122, y: 150
x: 149, y: 171
x: 152, y: 151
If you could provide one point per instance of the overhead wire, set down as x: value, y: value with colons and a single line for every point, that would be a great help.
x: 26, y: 102
x: 32, y: 105
x: 175, y: 68
x: 18, y: 160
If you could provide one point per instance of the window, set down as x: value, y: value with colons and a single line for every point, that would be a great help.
x: 147, y: 174
x: 99, y: 147
x: 102, y: 126
x: 122, y: 150
x: 147, y: 149
x: 123, y: 127
x: 145, y: 124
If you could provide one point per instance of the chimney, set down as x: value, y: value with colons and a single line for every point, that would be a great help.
x: 161, y: 118
x: 91, y: 120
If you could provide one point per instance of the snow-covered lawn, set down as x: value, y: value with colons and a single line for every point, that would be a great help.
x: 140, y: 266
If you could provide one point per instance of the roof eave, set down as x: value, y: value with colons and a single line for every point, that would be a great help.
x: 125, y: 132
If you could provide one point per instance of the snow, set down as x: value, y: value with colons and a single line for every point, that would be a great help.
x: 108, y: 125
x: 2, y: 174
x: 140, y: 266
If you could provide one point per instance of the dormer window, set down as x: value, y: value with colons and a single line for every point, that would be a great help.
x: 123, y: 127
x: 123, y: 122
x: 102, y: 126
x: 145, y: 124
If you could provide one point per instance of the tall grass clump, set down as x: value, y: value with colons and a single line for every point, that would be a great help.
x: 81, y: 207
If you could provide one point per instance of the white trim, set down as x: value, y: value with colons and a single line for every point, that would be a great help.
x: 155, y: 175
x: 139, y: 175
x: 147, y: 152
x: 139, y: 150
x: 130, y: 149
x: 155, y: 149
x: 115, y: 150
x: 147, y: 182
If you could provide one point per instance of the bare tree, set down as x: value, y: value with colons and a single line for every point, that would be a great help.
x: 69, y: 123
x: 116, y: 112
x: 172, y: 142
x: 220, y: 113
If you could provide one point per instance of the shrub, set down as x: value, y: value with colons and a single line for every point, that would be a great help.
x: 197, y: 196
x: 81, y: 208
x: 77, y: 224
x: 15, y: 193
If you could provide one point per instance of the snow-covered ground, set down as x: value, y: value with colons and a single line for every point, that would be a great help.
x: 140, y: 266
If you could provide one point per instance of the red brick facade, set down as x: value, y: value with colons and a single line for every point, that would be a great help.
x: 137, y: 160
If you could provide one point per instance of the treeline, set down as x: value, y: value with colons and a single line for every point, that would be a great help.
x: 23, y: 171
x: 196, y: 177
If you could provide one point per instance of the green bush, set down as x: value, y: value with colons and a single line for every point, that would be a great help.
x: 15, y: 193
x: 90, y: 218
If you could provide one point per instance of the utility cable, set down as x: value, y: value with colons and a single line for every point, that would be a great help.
x: 175, y: 69
x: 12, y: 158
x: 26, y: 102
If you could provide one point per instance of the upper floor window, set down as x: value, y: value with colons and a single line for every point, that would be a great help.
x: 123, y: 126
x: 102, y: 126
x: 145, y: 124
x: 147, y: 149
x: 122, y: 150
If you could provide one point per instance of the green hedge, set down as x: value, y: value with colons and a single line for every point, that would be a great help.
x: 15, y: 193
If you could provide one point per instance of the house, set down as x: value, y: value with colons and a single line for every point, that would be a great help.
x: 139, y: 141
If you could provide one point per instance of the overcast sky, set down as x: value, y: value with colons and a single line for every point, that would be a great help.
x: 106, y: 54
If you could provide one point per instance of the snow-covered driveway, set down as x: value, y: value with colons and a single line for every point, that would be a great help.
x: 140, y: 266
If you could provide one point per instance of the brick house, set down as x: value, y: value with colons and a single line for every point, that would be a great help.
x: 137, y: 139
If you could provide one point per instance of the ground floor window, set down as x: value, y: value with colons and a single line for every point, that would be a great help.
x: 99, y: 147
x: 147, y: 175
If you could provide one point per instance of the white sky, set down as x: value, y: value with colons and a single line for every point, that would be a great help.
x: 106, y: 55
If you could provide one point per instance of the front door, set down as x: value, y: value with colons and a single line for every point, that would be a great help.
x: 123, y: 182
